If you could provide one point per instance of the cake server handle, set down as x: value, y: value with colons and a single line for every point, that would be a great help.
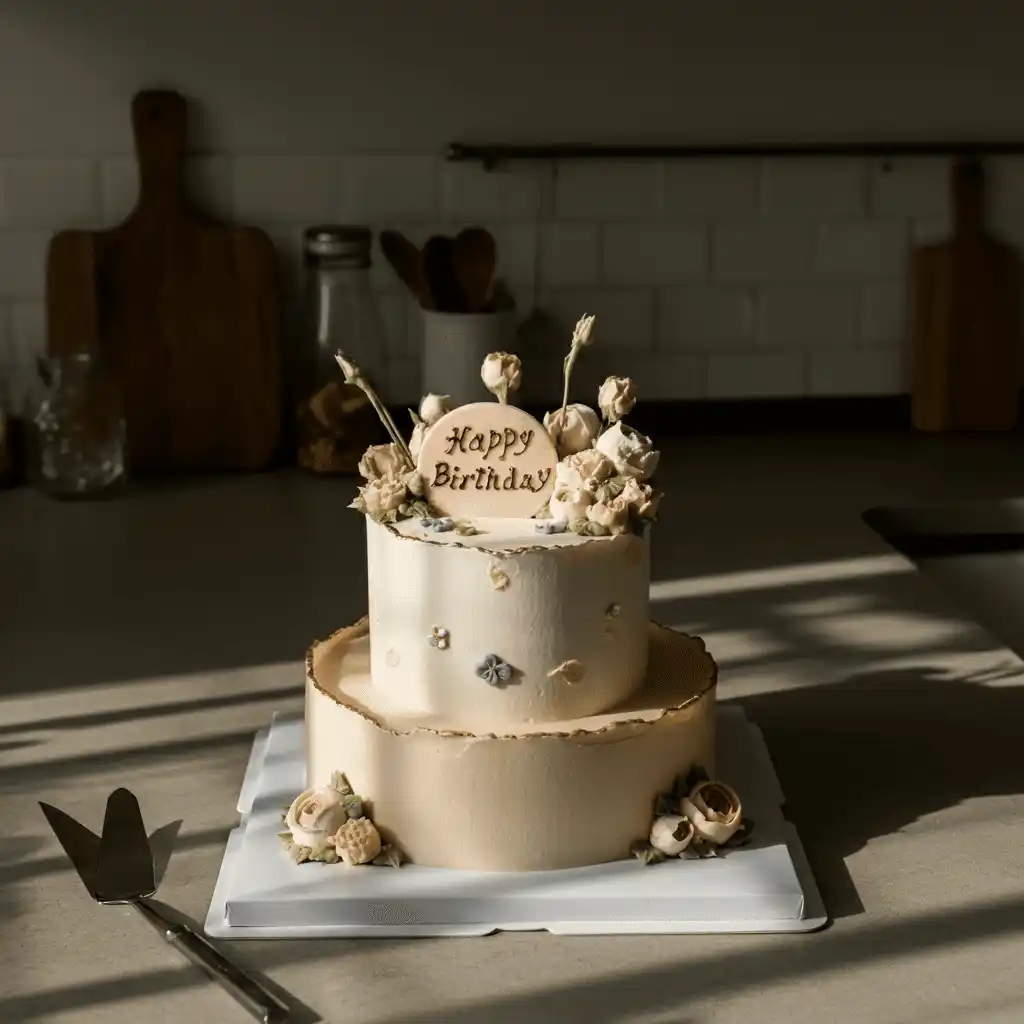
x: 261, y: 1003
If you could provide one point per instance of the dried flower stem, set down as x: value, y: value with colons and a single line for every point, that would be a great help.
x: 580, y: 338
x: 353, y: 375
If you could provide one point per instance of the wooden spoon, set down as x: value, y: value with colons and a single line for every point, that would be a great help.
x: 439, y: 267
x: 475, y: 257
x: 407, y: 262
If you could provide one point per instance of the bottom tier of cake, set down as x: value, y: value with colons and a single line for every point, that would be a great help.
x: 555, y: 795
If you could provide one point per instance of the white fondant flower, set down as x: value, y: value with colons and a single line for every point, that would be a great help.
x: 632, y: 452
x: 502, y: 373
x: 357, y: 841
x: 671, y: 834
x: 612, y: 514
x: 494, y: 670
x: 385, y: 494
x: 715, y: 811
x: 419, y: 432
x: 500, y: 579
x: 433, y: 407
x: 381, y: 460
x: 584, y: 470
x: 616, y: 398
x: 568, y: 504
x: 445, y: 524
x: 643, y: 499
x: 439, y: 638
x: 550, y: 526
x: 570, y: 672
x: 575, y: 431
x: 315, y: 815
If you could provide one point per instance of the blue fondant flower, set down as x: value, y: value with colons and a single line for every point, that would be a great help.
x: 442, y: 525
x: 550, y: 526
x: 494, y: 670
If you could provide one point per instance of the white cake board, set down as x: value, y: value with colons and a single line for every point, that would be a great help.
x: 764, y: 887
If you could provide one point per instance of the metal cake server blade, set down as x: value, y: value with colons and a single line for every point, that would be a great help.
x: 124, y: 863
x: 80, y: 844
x: 117, y: 869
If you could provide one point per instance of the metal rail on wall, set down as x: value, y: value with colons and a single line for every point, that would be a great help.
x: 491, y: 155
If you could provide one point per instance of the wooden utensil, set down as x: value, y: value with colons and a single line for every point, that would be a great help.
x: 185, y: 309
x: 967, y: 321
x: 407, y: 262
x: 475, y: 257
x: 439, y: 267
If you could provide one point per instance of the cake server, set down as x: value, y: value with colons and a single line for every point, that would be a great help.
x: 117, y: 869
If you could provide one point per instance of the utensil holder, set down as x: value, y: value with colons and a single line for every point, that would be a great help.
x: 454, y: 347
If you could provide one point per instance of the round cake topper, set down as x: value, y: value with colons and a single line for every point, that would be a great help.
x: 487, y: 459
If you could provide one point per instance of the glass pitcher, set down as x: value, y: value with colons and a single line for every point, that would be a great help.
x: 77, y: 427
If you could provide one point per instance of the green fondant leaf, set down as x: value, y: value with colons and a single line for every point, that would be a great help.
x: 326, y: 855
x: 610, y: 489
x: 701, y: 848
x: 353, y: 805
x: 666, y: 803
x: 465, y: 529
x: 646, y: 853
x: 419, y: 510
x: 389, y: 857
x: 415, y: 417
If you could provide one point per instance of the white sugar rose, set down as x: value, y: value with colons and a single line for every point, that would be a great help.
x: 643, y: 498
x: 568, y: 504
x: 616, y: 398
x: 671, y: 834
x: 419, y: 432
x: 632, y: 452
x: 315, y: 815
x: 715, y: 811
x: 381, y: 460
x: 357, y: 841
x: 502, y: 373
x: 433, y: 407
x: 384, y: 494
x: 584, y: 470
x: 576, y: 431
x: 612, y: 514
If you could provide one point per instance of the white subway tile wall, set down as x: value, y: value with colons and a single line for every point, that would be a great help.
x: 724, y: 278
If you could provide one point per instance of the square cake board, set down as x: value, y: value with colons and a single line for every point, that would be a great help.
x: 766, y: 886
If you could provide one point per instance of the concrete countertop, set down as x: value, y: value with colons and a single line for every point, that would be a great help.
x: 144, y: 640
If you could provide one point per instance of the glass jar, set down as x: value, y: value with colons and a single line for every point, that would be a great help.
x: 335, y: 421
x: 76, y: 427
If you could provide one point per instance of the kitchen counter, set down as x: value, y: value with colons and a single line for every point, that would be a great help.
x: 144, y: 640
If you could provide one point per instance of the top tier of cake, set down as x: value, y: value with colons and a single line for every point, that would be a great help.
x: 508, y: 626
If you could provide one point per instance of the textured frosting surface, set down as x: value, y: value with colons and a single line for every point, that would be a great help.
x: 570, y: 793
x: 507, y: 626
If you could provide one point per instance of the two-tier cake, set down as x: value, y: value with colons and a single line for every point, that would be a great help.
x: 507, y: 704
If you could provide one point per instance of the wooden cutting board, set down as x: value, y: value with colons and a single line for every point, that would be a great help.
x: 966, y: 320
x: 185, y: 309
